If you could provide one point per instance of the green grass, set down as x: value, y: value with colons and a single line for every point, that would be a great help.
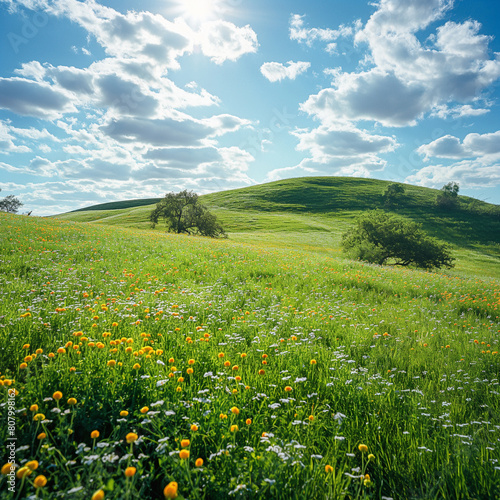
x: 402, y: 361
x: 312, y: 213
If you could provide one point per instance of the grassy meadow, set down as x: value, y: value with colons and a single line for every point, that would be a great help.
x: 137, y: 364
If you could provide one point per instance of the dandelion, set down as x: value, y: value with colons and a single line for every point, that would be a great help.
x: 136, y: 366
x: 130, y: 471
x: 23, y: 472
x: 179, y: 389
x: 248, y: 421
x: 72, y: 401
x: 363, y: 448
x: 131, y: 437
x: 38, y: 417
x: 40, y: 481
x: 227, y: 363
x: 220, y: 355
x: 328, y: 469
x: 262, y: 372
x: 288, y: 389
x: 310, y: 418
x: 98, y: 495
x: 194, y: 427
x: 199, y: 462
x: 170, y: 490
x: 41, y: 436
x: 8, y: 467
x: 34, y: 408
x: 234, y: 428
x: 111, y: 363
x: 23, y: 366
x: 313, y: 362
x: 371, y: 456
x: 184, y: 454
x: 185, y: 443
x: 32, y: 464
x: 144, y: 409
x: 189, y: 371
x: 235, y: 410
x: 57, y: 395
x: 191, y: 362
x: 123, y: 413
x: 94, y: 434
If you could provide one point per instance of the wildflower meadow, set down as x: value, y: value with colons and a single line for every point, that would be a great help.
x: 139, y: 364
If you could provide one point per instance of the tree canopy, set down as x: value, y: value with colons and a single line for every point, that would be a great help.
x: 448, y: 197
x: 391, y: 239
x: 394, y: 194
x: 10, y: 204
x: 183, y: 213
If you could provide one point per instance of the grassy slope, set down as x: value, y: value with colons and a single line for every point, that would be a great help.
x: 312, y: 213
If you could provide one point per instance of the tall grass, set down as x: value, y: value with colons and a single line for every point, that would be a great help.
x: 275, y: 364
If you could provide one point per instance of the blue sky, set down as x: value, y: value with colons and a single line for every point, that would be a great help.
x: 112, y: 100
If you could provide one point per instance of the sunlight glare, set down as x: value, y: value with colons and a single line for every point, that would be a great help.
x: 199, y: 11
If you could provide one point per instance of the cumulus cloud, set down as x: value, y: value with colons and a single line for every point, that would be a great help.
x: 276, y: 72
x: 134, y: 35
x: 370, y: 95
x: 121, y: 120
x: 479, y: 164
x: 470, y: 173
x: 326, y: 143
x: 223, y: 41
x: 164, y: 132
x: 30, y: 98
x: 473, y: 145
x: 408, y: 78
x: 341, y: 149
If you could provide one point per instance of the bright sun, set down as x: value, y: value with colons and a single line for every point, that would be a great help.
x: 199, y: 11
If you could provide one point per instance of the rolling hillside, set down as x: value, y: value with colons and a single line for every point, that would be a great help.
x: 313, y: 212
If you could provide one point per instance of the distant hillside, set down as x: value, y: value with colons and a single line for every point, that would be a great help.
x: 117, y: 205
x: 313, y: 212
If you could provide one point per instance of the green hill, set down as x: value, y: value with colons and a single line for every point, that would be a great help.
x: 313, y: 212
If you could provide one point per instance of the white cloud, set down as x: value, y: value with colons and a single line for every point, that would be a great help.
x: 276, y: 72
x: 30, y: 98
x: 479, y: 165
x: 409, y: 79
x: 340, y: 149
x: 7, y: 141
x: 370, y: 95
x: 223, y: 41
x: 459, y: 111
x: 300, y: 32
x: 133, y: 35
x: 326, y: 143
x: 473, y: 145
x: 468, y: 173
